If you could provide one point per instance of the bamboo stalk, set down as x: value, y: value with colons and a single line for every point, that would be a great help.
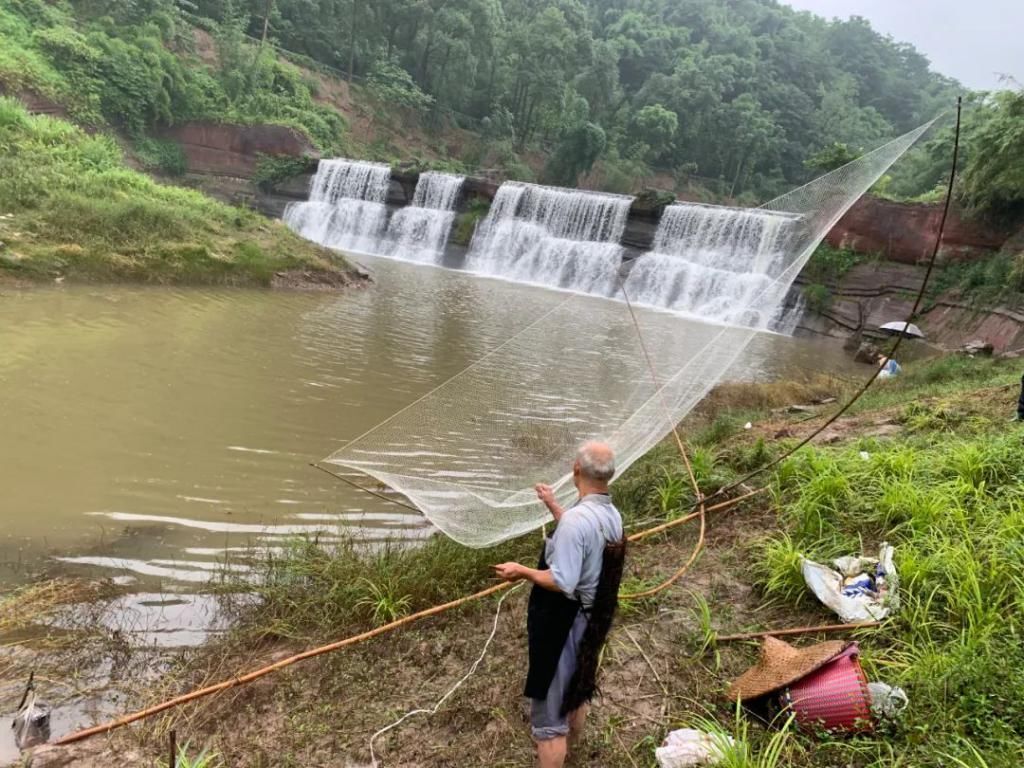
x: 796, y: 631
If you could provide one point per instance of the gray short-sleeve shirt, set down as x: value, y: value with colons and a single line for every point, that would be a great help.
x: 575, y: 550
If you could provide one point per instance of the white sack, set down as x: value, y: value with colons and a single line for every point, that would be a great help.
x: 828, y: 585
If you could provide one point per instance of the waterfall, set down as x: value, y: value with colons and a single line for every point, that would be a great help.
x: 790, y: 313
x: 716, y: 263
x: 562, y: 238
x: 346, y: 207
x: 420, y: 231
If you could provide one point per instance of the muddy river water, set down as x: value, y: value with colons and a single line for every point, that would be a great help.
x: 146, y: 431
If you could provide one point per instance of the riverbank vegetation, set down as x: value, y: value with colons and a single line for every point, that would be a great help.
x: 927, y: 462
x: 70, y: 208
x: 134, y: 67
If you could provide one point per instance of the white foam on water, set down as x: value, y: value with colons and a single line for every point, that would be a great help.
x: 558, y: 238
x: 420, y: 231
x: 346, y: 206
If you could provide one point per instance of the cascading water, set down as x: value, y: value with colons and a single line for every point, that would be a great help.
x: 346, y: 205
x: 716, y: 263
x: 420, y: 231
x: 561, y: 238
x: 790, y: 313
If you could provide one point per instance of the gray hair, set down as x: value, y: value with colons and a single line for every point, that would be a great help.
x: 596, y: 461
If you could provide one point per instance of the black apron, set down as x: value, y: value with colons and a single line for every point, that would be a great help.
x: 549, y: 618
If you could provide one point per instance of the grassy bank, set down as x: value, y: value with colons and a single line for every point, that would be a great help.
x: 942, y: 481
x: 69, y: 208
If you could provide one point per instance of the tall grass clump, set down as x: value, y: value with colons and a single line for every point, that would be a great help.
x: 312, y: 589
x: 953, y: 505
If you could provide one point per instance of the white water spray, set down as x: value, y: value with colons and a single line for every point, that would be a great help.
x: 561, y: 238
x: 716, y: 263
x: 420, y: 231
x: 346, y: 207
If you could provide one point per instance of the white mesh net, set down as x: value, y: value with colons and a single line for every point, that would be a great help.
x: 469, y: 453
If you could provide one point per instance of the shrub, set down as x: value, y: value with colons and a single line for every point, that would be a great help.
x: 164, y: 156
x: 271, y: 170
x: 817, y: 296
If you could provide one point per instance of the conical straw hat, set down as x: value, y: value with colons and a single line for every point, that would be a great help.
x: 781, y: 664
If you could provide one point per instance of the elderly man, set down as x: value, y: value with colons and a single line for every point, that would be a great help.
x: 575, y: 593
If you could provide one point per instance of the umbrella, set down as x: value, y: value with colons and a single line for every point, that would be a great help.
x: 909, y: 330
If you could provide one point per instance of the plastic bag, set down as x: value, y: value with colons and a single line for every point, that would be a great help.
x: 689, y: 747
x: 32, y: 723
x: 886, y: 700
x: 859, y: 589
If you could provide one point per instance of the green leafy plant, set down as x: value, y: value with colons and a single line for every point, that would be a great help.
x: 271, y: 170
x: 164, y: 156
x: 817, y: 296
x: 382, y: 600
x: 670, y: 491
x: 205, y: 759
x: 737, y: 748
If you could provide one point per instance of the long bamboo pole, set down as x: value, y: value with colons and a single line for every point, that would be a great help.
x: 797, y: 631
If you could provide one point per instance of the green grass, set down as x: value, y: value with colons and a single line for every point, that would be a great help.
x: 311, y: 590
x: 946, y: 377
x: 72, y: 209
x: 952, y: 502
x: 205, y: 759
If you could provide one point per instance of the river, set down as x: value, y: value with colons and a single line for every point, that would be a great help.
x: 147, y: 431
x: 154, y: 435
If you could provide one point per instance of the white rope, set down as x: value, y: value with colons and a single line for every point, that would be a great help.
x: 440, y: 702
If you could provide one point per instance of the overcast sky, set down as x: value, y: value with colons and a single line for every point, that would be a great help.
x: 971, y: 40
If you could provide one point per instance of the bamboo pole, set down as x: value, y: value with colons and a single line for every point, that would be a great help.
x: 796, y: 631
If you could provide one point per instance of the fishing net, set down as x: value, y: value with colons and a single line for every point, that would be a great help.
x: 469, y: 453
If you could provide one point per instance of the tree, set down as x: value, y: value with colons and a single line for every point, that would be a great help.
x: 835, y: 155
x: 389, y: 83
x: 655, y: 126
x: 754, y: 87
x: 993, y: 180
x: 576, y: 153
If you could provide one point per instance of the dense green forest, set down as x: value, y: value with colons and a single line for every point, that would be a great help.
x: 741, y: 91
x: 745, y: 97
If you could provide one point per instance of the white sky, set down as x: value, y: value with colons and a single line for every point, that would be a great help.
x: 971, y: 40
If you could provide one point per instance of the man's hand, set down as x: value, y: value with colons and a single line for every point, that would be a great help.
x: 509, y: 571
x: 547, y: 495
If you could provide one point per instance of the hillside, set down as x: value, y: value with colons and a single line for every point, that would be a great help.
x: 69, y: 208
x: 735, y: 97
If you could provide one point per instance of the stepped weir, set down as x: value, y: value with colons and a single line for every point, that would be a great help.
x: 420, y: 231
x: 346, y: 207
x: 561, y: 238
x: 715, y: 263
